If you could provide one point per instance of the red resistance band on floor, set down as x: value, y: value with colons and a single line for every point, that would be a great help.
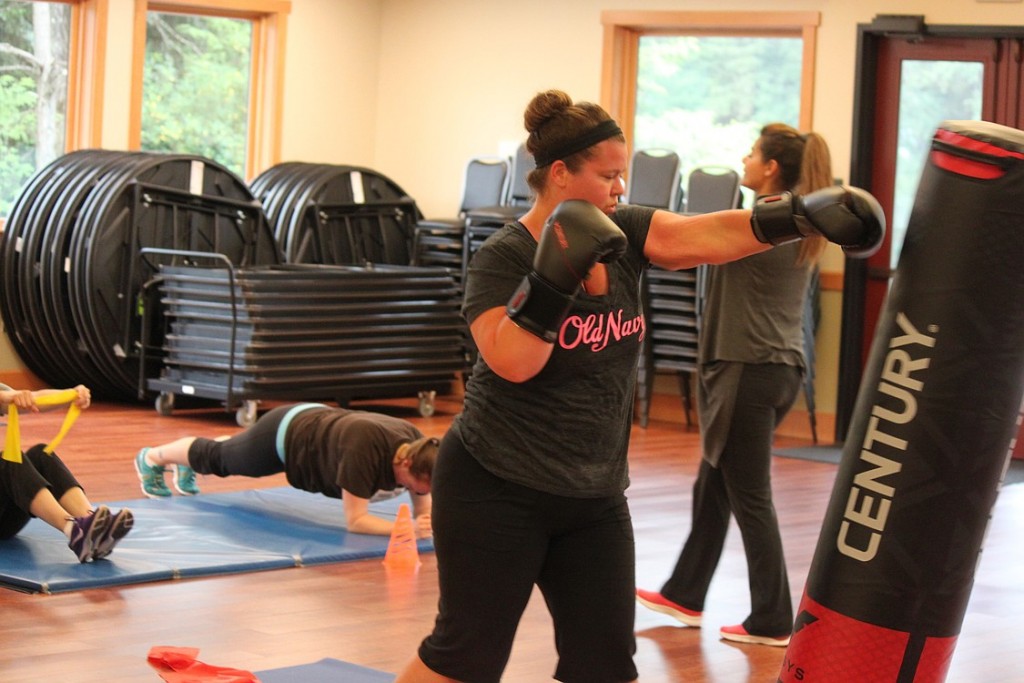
x: 179, y: 665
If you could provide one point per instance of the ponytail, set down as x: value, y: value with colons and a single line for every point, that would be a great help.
x: 815, y: 174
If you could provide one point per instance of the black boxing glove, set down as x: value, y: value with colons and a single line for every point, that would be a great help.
x: 576, y: 235
x: 847, y: 216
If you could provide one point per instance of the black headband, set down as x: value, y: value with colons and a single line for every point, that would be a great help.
x: 599, y: 133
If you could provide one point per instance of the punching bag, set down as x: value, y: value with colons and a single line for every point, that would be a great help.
x: 930, y: 437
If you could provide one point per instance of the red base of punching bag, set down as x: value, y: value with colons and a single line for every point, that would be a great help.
x: 840, y: 648
x: 1018, y: 446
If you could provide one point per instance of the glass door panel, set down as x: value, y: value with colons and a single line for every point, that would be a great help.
x: 931, y: 92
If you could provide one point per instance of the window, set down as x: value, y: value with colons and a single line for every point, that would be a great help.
x: 707, y: 97
x: 663, y: 78
x: 931, y: 91
x: 208, y: 81
x: 51, y: 91
x: 34, y: 54
x: 195, y: 94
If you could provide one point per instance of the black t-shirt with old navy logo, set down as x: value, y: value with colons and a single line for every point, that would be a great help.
x: 566, y: 430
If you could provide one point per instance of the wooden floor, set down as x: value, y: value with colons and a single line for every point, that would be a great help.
x: 360, y: 613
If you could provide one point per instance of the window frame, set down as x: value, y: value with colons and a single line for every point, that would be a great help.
x: 266, y: 78
x: 623, y: 30
x: 87, y: 56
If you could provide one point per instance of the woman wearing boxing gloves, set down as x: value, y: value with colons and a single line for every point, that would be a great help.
x: 529, y: 484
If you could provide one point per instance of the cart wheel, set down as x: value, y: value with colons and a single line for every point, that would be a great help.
x: 164, y: 403
x: 427, y: 403
x: 245, y: 416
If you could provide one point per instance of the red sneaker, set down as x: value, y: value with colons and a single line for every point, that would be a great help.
x: 659, y: 603
x: 738, y: 634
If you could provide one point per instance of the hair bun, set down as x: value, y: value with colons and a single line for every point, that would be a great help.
x: 543, y: 107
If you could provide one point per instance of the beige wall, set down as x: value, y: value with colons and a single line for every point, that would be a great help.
x: 413, y: 88
x: 456, y: 74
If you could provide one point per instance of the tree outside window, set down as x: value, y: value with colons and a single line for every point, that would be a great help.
x: 196, y: 87
x: 707, y: 97
x: 34, y: 40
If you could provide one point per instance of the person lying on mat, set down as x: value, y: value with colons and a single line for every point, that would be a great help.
x: 353, y: 455
x: 42, y: 486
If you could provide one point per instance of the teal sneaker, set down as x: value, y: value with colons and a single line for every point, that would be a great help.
x: 185, y: 480
x: 151, y: 477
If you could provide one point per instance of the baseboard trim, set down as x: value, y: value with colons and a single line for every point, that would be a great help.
x: 23, y: 379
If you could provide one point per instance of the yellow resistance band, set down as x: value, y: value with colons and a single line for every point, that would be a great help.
x: 12, y: 446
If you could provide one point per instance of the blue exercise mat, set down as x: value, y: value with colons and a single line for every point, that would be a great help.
x: 325, y: 671
x: 204, y: 535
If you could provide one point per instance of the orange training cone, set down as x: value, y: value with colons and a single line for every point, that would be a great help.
x: 402, y: 550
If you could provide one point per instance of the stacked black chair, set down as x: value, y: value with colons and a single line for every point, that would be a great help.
x: 515, y: 203
x: 654, y: 179
x: 672, y: 307
x: 483, y: 222
x: 305, y: 332
x: 709, y: 188
x: 73, y: 281
x: 673, y: 300
x: 440, y: 241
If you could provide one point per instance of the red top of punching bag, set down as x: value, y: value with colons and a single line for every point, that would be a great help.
x: 977, y: 149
